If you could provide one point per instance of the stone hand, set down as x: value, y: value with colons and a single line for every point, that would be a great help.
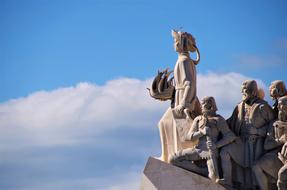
x: 179, y: 109
x: 203, y: 130
x: 282, y: 158
x: 284, y: 150
x: 211, y: 145
x: 282, y: 139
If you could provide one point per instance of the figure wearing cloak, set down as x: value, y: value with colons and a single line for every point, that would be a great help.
x: 185, y: 100
x: 249, y: 122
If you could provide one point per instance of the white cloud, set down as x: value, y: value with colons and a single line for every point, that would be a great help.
x: 68, y: 115
x: 62, y: 115
x: 47, y: 127
x: 85, y: 104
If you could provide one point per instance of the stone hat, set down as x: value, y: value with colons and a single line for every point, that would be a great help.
x: 186, y: 40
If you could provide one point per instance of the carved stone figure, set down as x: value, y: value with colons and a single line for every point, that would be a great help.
x: 175, y: 123
x: 249, y: 121
x: 281, y: 132
x: 206, y: 129
x: 185, y: 74
x: 277, y: 89
x: 269, y: 165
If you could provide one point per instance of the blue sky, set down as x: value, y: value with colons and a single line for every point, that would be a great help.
x: 74, y: 111
x: 46, y: 44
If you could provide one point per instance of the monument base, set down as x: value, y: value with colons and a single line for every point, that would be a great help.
x: 159, y: 175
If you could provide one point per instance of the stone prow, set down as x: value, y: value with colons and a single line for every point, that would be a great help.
x: 159, y: 175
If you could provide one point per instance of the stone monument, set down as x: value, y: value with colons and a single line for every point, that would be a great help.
x: 202, y: 150
x: 177, y: 120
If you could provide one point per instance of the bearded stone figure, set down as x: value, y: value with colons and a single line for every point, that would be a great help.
x: 177, y: 120
x: 250, y: 121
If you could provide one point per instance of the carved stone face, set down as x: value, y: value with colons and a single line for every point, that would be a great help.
x: 277, y: 89
x: 282, y: 107
x: 273, y: 92
x: 208, y: 105
x: 249, y: 90
x: 177, y: 46
x: 183, y: 42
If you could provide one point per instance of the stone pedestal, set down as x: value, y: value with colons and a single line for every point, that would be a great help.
x: 159, y: 175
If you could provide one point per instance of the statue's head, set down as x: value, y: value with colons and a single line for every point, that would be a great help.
x: 183, y: 41
x: 282, y: 107
x: 249, y: 90
x: 277, y: 89
x: 208, y: 105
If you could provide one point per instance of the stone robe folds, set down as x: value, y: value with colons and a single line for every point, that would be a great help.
x: 249, y: 148
x: 185, y: 95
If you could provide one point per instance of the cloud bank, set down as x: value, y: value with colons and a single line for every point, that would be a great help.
x: 77, y: 131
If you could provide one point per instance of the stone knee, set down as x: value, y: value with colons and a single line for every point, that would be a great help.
x: 175, y: 158
x: 172, y: 159
x: 224, y: 154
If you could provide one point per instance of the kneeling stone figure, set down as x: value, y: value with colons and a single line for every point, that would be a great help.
x: 207, y: 129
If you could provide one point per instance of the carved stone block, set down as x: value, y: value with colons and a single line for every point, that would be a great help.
x: 159, y: 175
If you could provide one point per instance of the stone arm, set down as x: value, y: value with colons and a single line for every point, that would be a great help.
x: 194, y: 133
x: 189, y: 84
x: 186, y: 93
x: 270, y: 141
x: 280, y: 130
x: 268, y: 115
x: 233, y: 122
x: 227, y: 135
x: 283, y: 154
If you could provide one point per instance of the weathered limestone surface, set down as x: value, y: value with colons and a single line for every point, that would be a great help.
x: 159, y: 175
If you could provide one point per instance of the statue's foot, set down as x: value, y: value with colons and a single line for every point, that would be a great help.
x: 224, y: 183
x: 161, y: 158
